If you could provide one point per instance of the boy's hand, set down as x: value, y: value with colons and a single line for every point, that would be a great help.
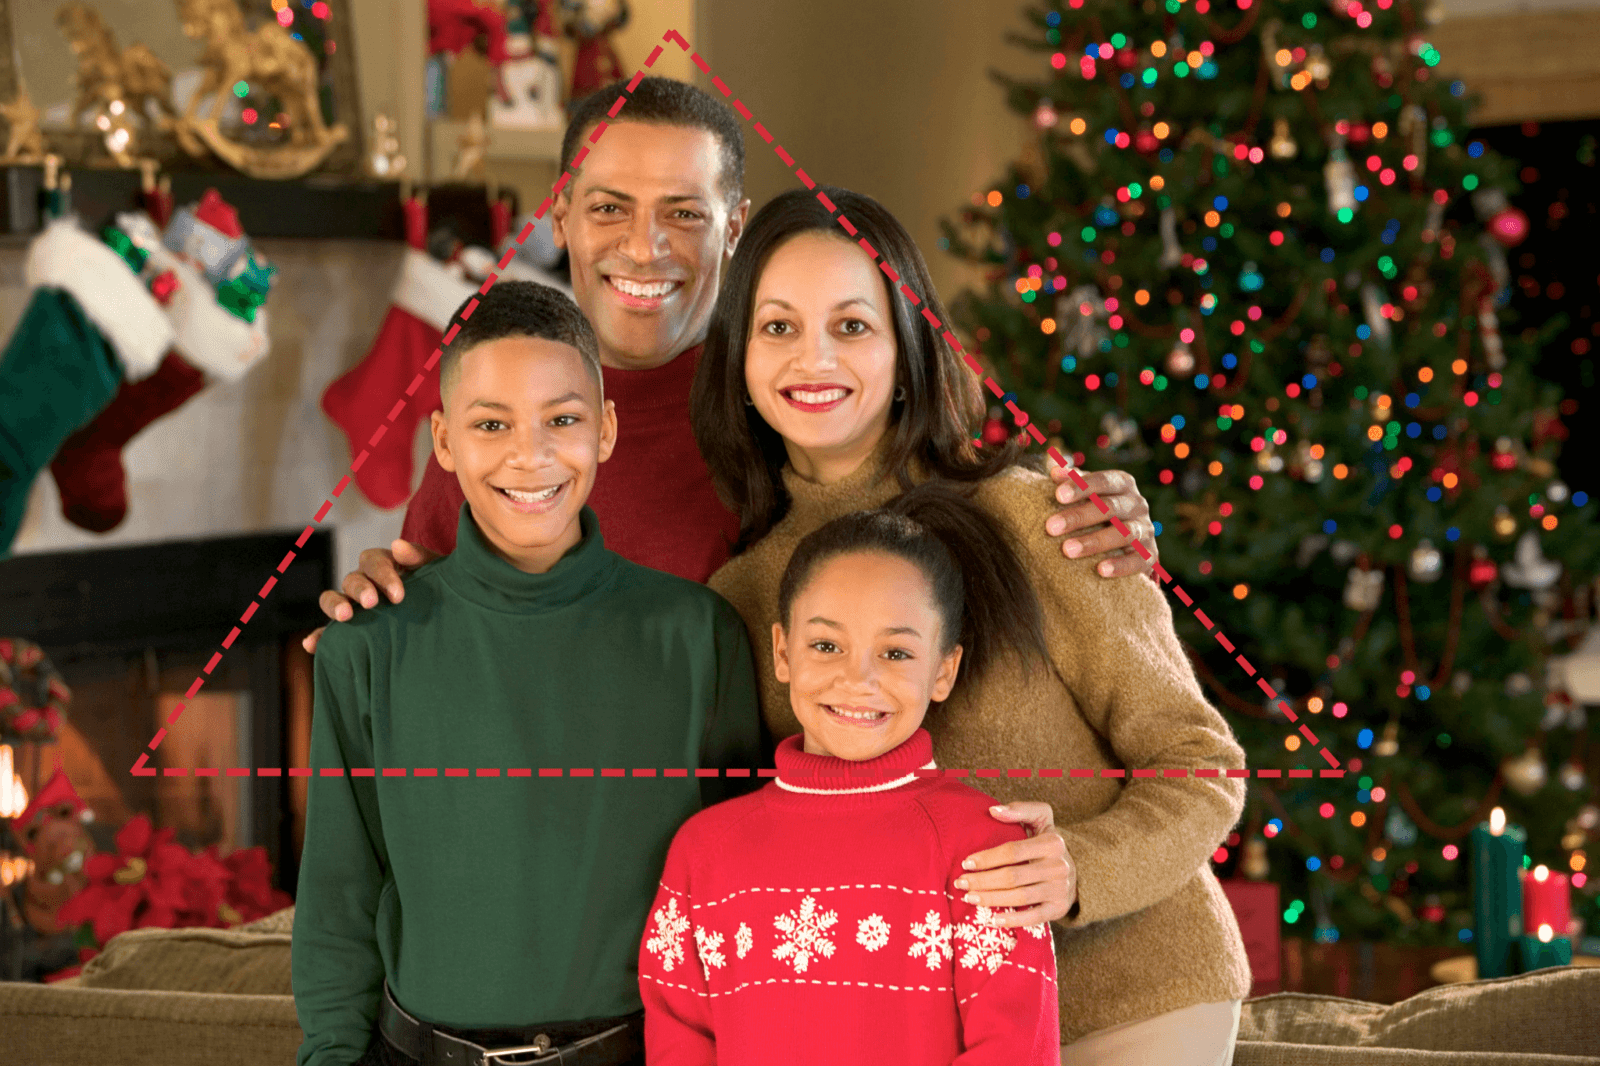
x: 379, y: 569
x: 1096, y: 536
x: 1036, y: 874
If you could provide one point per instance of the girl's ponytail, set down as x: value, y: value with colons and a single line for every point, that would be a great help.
x: 986, y: 601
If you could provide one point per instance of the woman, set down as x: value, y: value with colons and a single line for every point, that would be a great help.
x: 820, y: 393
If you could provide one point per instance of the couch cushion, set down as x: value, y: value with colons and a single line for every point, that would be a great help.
x: 50, y: 1026
x: 277, y: 922
x: 1550, y: 1012
x: 1257, y: 1053
x: 193, y: 960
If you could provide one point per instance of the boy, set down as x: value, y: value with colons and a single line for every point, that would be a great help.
x: 445, y: 917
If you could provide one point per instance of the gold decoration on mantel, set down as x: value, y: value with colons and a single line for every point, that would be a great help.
x: 267, y: 58
x: 24, y: 142
x: 108, y: 77
x: 471, y: 148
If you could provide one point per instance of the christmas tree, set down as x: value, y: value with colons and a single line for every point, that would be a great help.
x: 1255, y: 258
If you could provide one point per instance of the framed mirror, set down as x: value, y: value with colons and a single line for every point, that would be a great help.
x: 265, y: 87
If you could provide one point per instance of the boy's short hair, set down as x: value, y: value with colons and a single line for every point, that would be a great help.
x: 664, y: 102
x: 520, y: 309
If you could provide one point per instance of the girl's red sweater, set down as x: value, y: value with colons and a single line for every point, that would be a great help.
x: 817, y: 921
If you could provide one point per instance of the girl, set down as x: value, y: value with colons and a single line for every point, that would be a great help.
x: 817, y: 920
x: 823, y: 390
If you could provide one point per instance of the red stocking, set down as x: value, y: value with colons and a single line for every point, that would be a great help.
x: 424, y: 298
x: 88, y: 468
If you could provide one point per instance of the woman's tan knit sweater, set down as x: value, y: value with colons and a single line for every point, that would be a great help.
x: 1154, y: 932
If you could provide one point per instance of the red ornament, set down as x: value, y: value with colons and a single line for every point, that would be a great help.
x: 217, y: 213
x: 1146, y: 142
x: 994, y: 431
x: 1503, y: 460
x: 1359, y: 132
x: 1125, y: 59
x: 1481, y: 573
x: 1509, y: 227
x: 163, y: 285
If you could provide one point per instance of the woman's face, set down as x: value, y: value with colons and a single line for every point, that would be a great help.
x: 861, y: 655
x: 820, y: 358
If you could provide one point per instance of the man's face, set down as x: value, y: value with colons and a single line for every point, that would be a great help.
x: 649, y: 231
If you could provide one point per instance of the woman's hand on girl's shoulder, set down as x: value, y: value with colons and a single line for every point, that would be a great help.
x: 1091, y: 531
x: 1035, y: 877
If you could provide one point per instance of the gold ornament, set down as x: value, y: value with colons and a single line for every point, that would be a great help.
x: 1504, y: 525
x: 24, y: 142
x: 134, y: 76
x: 1426, y: 564
x: 1389, y: 744
x: 1525, y: 774
x: 1180, y: 361
x: 1193, y: 518
x: 385, y: 160
x: 471, y: 148
x: 1363, y: 589
x: 1254, y: 862
x: 1318, y: 66
x: 266, y: 59
x: 1283, y: 144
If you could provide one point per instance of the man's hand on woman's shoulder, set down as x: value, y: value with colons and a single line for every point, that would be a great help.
x: 380, y: 569
x: 1091, y: 532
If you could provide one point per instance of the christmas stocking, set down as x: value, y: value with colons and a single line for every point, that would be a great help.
x: 210, y: 342
x: 425, y: 296
x: 90, y: 323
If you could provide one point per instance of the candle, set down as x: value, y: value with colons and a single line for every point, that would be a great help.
x: 1496, y: 896
x: 1546, y: 900
x: 1545, y: 949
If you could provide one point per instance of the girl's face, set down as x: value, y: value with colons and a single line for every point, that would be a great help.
x: 820, y: 358
x: 861, y: 655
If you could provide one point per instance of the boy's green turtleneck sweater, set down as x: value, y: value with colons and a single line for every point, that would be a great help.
x: 508, y: 899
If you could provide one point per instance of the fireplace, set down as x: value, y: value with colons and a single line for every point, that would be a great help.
x: 130, y: 629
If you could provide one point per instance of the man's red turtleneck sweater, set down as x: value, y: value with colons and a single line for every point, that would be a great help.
x: 653, y: 496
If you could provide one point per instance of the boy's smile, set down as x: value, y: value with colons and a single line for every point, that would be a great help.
x: 524, y: 431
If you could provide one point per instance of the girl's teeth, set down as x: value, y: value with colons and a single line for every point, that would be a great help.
x: 660, y: 288
x: 867, y: 717
x: 818, y: 397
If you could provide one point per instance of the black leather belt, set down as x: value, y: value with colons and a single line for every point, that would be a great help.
x: 616, y: 1045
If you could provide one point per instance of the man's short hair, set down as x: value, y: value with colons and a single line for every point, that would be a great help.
x: 520, y: 309
x: 664, y: 102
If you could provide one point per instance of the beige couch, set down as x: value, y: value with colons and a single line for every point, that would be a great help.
x: 208, y: 996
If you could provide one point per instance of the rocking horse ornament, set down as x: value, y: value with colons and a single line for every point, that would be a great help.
x: 270, y: 60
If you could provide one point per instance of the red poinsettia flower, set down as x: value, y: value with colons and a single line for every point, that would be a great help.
x: 142, y: 885
x: 250, y: 893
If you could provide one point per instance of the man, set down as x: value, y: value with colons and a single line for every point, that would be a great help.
x: 650, y: 223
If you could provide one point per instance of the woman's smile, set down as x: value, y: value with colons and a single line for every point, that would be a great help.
x: 816, y: 398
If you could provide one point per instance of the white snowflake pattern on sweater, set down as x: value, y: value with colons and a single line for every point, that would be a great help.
x: 984, y: 943
x: 805, y: 935
x: 743, y: 939
x: 872, y: 932
x: 708, y: 944
x: 668, y: 941
x: 932, y: 940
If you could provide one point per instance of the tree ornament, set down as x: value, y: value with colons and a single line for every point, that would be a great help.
x: 1283, y: 146
x: 1171, y: 250
x: 1268, y: 461
x: 1045, y: 115
x: 1483, y: 571
x: 1180, y: 361
x: 1580, y: 671
x: 1382, y: 71
x: 1525, y: 774
x: 1307, y: 464
x: 1117, y: 431
x: 1399, y: 829
x: 1505, y: 223
x: 1343, y: 551
x: 1518, y: 684
x: 1389, y: 744
x: 1435, y: 219
x: 1082, y: 313
x: 1318, y: 65
x: 1426, y: 564
x: 1572, y: 776
x: 1269, y: 54
x: 1253, y: 864
x: 1372, y: 309
x: 1588, y: 817
x: 1530, y: 569
x: 33, y: 698
x: 1489, y: 331
x: 1340, y: 176
x: 1309, y: 548
x: 1363, y: 589
x: 1460, y: 682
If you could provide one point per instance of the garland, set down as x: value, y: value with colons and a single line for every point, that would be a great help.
x: 33, y: 699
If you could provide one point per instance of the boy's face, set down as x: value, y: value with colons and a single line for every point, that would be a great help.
x: 523, y: 430
x: 647, y: 213
x: 862, y: 657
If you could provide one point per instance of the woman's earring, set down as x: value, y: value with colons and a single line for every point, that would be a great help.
x: 748, y: 402
x: 899, y: 392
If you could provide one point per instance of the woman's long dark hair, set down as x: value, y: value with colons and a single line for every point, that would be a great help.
x: 935, y: 421
x: 985, y: 600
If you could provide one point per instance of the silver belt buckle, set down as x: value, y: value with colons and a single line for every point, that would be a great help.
x: 539, y: 1047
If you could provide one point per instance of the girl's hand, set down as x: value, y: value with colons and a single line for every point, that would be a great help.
x: 1093, y: 533
x: 1035, y: 875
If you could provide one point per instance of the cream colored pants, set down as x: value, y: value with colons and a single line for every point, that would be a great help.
x: 1201, y: 1035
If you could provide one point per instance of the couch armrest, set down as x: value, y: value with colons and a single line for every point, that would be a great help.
x: 51, y: 1026
x: 1264, y: 1053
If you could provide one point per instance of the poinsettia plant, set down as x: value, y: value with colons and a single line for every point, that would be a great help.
x: 154, y: 882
